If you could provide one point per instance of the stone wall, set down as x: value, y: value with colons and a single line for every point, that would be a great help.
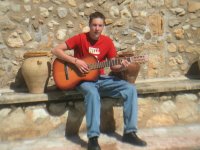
x: 168, y: 31
x: 155, y: 110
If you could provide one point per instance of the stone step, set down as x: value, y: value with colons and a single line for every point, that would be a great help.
x: 163, y: 138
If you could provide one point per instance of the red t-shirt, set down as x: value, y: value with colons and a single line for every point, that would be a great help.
x: 83, y: 45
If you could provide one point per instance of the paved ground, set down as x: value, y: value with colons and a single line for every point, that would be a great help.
x: 170, y: 138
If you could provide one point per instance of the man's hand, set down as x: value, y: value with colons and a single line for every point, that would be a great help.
x: 120, y: 67
x: 124, y: 64
x: 82, y: 66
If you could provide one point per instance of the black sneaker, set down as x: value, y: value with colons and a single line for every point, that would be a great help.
x: 132, y: 138
x: 93, y: 144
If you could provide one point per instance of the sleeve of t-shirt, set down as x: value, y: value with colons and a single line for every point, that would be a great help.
x: 73, y: 42
x: 112, y: 52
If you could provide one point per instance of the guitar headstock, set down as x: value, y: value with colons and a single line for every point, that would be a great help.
x: 139, y: 59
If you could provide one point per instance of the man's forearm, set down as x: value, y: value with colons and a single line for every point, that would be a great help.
x: 59, y: 52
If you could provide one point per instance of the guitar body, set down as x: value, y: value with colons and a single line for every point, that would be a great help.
x: 67, y: 76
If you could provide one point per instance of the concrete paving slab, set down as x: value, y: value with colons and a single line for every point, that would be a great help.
x: 165, y: 138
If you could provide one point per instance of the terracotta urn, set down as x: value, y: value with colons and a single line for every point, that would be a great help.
x: 132, y: 72
x: 36, y: 71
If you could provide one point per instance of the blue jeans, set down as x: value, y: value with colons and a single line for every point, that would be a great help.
x: 113, y: 87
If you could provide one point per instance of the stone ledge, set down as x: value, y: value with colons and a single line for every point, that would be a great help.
x: 8, y: 96
x: 168, y: 85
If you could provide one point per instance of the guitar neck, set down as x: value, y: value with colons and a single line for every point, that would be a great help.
x: 116, y: 61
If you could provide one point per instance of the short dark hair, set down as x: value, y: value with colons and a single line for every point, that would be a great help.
x: 97, y: 15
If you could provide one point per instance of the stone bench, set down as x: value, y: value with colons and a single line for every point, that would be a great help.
x: 8, y: 96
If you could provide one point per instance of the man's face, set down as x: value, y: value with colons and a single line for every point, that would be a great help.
x: 96, y: 28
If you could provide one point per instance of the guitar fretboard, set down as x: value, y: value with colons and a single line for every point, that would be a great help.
x: 117, y: 61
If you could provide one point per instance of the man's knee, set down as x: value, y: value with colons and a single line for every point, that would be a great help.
x: 91, y: 91
x: 130, y: 88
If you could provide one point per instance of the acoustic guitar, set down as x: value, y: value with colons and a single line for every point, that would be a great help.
x: 67, y: 76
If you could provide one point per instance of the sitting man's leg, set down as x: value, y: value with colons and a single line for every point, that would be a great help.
x: 92, y: 108
x: 115, y: 87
